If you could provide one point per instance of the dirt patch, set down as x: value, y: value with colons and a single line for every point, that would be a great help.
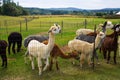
x: 12, y: 59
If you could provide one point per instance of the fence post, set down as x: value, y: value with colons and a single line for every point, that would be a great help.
x: 94, y: 50
x: 85, y: 23
x: 26, y: 24
x: 40, y: 23
x: 20, y: 26
x: 5, y: 24
x: 61, y: 29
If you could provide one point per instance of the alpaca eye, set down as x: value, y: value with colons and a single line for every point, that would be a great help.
x: 54, y: 29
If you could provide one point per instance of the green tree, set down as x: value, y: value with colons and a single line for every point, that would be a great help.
x: 12, y: 9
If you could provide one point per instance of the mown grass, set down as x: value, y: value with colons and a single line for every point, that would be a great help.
x: 18, y: 70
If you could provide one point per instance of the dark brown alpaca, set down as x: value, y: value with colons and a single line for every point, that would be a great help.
x: 57, y: 52
x: 3, y: 46
x: 111, y: 43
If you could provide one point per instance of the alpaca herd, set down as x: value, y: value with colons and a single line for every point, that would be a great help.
x: 43, y: 48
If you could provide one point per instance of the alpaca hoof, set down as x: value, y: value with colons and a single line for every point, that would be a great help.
x: 98, y: 63
x: 40, y: 74
x: 73, y: 63
x: 33, y: 68
x: 107, y: 62
x: 115, y: 63
x: 44, y: 69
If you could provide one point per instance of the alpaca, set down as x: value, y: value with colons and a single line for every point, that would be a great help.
x: 40, y: 38
x: 3, y: 46
x: 106, y: 25
x: 90, y: 36
x: 42, y: 51
x: 81, y: 46
x: 14, y: 38
x: 57, y: 52
x: 111, y: 43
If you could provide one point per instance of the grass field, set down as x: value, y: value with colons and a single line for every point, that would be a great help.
x: 18, y: 70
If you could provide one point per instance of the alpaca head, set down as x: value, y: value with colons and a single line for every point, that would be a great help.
x: 108, y: 24
x: 99, y: 28
x: 101, y: 35
x: 116, y: 28
x: 55, y: 29
x: 74, y: 54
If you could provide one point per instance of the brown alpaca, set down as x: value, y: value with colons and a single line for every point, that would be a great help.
x: 57, y: 52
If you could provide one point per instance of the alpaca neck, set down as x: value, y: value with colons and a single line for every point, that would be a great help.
x: 62, y: 54
x: 97, y: 41
x: 65, y: 56
x: 51, y: 41
x: 116, y: 38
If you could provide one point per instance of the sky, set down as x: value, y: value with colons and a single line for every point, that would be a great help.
x: 82, y: 4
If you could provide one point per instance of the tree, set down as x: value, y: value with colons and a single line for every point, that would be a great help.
x: 11, y: 9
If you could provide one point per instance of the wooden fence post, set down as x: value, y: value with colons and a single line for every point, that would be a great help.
x: 5, y: 24
x: 26, y: 24
x: 20, y: 26
x: 85, y: 23
x: 40, y: 23
x: 94, y: 50
x: 62, y: 29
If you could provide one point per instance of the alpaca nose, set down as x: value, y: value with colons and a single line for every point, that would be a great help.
x: 60, y: 31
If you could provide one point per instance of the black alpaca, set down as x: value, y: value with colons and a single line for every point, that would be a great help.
x: 3, y: 46
x: 14, y: 38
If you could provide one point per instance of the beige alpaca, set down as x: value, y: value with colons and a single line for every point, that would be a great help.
x: 107, y: 24
x: 85, y: 48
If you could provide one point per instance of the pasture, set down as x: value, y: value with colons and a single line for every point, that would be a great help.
x: 18, y: 70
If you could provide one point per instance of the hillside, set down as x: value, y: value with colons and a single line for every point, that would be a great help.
x: 69, y: 10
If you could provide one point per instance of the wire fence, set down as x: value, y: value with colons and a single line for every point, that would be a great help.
x: 27, y: 25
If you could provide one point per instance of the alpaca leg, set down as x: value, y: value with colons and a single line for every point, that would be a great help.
x: 104, y: 54
x: 47, y: 64
x: 25, y: 57
x: 51, y: 63
x: 82, y: 57
x: 9, y: 47
x: 108, y: 59
x: 89, y: 60
x: 18, y: 46
x: 57, y: 64
x: 5, y: 61
x: 32, y: 62
x: 115, y: 57
x: 2, y: 60
x: 13, y: 48
x: 39, y: 65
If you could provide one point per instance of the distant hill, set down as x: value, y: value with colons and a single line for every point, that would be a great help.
x: 69, y: 10
x: 66, y: 9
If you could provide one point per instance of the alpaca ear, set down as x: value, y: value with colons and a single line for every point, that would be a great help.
x: 55, y: 24
x: 97, y: 32
x: 49, y: 31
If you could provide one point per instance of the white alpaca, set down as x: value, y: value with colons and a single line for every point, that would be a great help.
x: 84, y: 47
x: 104, y: 26
x: 41, y: 51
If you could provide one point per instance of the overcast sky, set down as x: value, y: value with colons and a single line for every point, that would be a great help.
x: 83, y: 4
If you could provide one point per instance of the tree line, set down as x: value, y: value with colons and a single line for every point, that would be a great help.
x: 10, y: 8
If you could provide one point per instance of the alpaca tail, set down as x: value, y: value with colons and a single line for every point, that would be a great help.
x: 25, y: 56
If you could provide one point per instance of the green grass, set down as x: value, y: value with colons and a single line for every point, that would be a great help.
x: 18, y: 70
